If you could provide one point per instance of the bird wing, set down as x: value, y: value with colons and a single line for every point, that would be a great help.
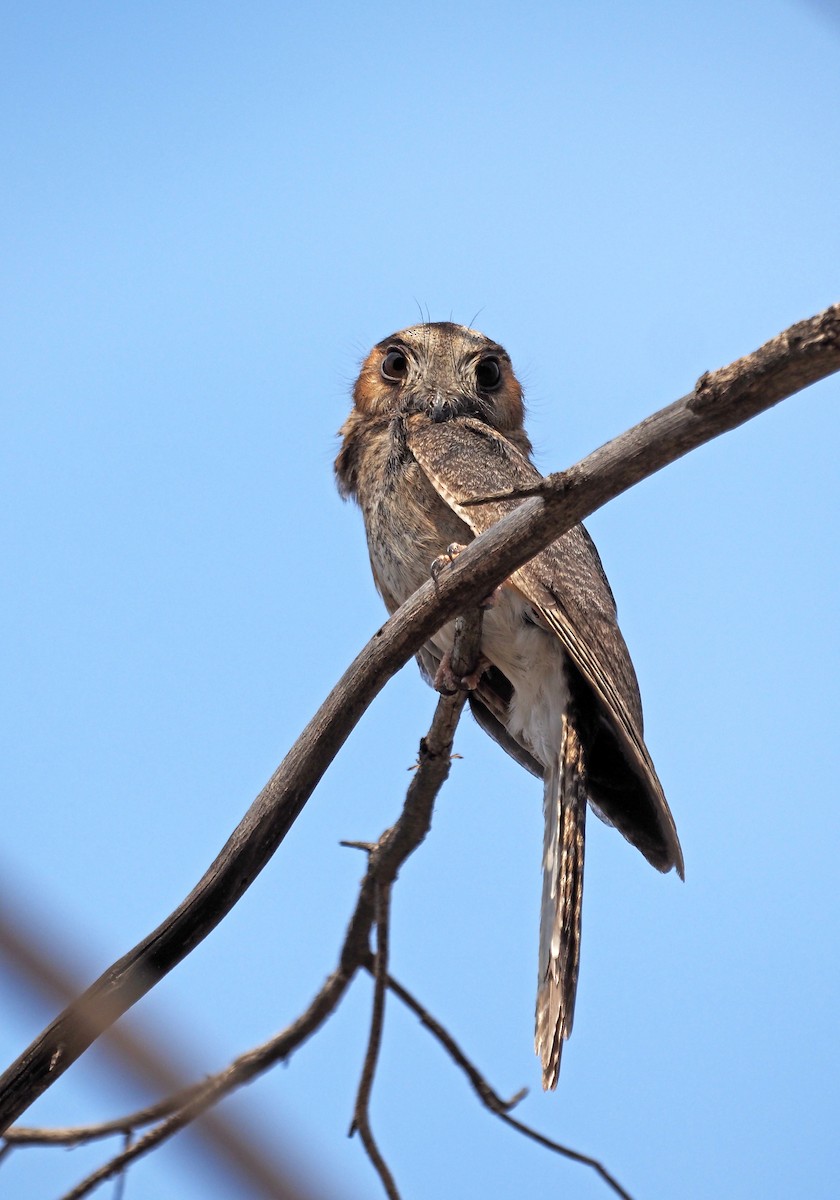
x: 565, y: 584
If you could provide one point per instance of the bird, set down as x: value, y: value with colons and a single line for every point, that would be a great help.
x: 434, y: 440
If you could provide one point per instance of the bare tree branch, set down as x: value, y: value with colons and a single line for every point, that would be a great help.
x: 490, y: 1098
x: 77, y: 1135
x: 150, y: 1053
x: 384, y: 861
x: 721, y: 400
x: 361, y: 1111
x: 240, y: 1071
x: 465, y: 655
x: 386, y: 857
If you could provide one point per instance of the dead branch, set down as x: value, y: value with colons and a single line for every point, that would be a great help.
x: 361, y: 1112
x: 721, y: 400
x: 465, y: 654
x: 384, y: 861
x: 77, y: 1135
x: 490, y: 1098
x: 240, y: 1071
x: 147, y: 1051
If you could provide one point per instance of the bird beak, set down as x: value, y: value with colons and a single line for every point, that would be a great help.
x: 439, y: 407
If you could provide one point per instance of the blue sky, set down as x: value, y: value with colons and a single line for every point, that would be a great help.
x: 208, y: 214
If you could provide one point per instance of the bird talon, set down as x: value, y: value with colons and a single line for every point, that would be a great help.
x: 447, y: 683
x: 446, y: 560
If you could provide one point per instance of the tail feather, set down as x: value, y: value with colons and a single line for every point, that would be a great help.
x: 562, y: 895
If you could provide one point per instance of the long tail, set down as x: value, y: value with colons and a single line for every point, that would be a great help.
x: 562, y: 894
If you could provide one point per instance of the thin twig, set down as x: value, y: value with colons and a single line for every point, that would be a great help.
x: 490, y: 1098
x: 721, y: 400
x: 558, y: 1148
x: 149, y: 1051
x: 74, y: 1135
x: 361, y: 1111
x: 242, y: 1070
x: 119, y: 1189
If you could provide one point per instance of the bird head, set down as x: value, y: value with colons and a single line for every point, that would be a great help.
x: 443, y: 371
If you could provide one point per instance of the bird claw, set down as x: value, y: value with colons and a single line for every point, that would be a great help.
x: 446, y: 560
x: 449, y: 684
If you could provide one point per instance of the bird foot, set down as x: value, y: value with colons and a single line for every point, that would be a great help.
x: 449, y: 684
x: 446, y: 560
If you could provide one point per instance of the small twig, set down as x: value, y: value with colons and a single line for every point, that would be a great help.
x: 144, y: 1049
x: 380, y: 976
x: 491, y: 1099
x: 242, y: 1070
x: 25, y: 1135
x: 361, y: 1112
x: 118, y: 1164
x: 567, y: 1152
x: 119, y: 1189
x: 415, y: 821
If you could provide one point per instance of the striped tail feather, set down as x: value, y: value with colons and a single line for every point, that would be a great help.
x: 562, y: 894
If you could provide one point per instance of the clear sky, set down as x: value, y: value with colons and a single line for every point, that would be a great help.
x: 208, y: 213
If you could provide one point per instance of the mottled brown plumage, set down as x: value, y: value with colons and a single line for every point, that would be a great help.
x: 437, y: 421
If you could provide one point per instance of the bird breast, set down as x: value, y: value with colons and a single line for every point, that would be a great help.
x: 408, y: 526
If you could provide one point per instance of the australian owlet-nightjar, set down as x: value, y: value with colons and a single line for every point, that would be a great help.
x: 437, y: 420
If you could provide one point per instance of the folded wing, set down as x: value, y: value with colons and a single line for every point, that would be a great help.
x: 568, y: 591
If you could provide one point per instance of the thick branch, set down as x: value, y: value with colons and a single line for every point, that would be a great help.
x: 805, y: 353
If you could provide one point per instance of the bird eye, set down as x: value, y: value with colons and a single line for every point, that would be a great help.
x: 394, y: 366
x: 488, y: 374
